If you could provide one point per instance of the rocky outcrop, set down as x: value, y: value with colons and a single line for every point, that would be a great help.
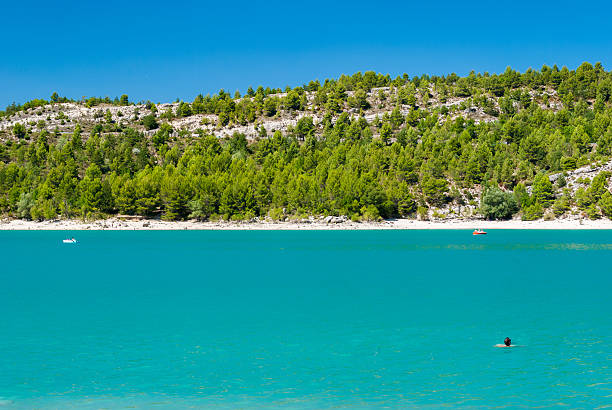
x: 63, y: 117
x: 335, y: 219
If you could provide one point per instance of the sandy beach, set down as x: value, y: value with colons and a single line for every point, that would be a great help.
x: 155, y: 224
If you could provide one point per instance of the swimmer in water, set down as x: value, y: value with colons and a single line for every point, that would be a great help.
x: 507, y: 342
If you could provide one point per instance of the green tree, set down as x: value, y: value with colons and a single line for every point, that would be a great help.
x: 150, y: 122
x: 497, y: 204
x: 561, y: 206
x: 269, y: 107
x: 568, y: 163
x: 605, y: 203
x: 386, y: 133
x: 77, y: 141
x: 184, y: 109
x: 533, y: 212
x: 304, y: 128
x: 521, y: 196
x: 292, y: 101
x: 542, y: 190
x: 533, y: 149
x: 19, y: 130
x: 598, y: 186
x: 96, y: 196
x: 359, y: 100
x: 435, y: 190
x: 175, y: 192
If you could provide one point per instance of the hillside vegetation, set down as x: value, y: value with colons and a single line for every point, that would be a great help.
x: 531, y: 145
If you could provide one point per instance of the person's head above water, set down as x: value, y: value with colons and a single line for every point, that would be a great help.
x: 507, y: 341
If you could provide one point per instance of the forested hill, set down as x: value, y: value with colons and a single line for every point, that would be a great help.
x: 531, y: 145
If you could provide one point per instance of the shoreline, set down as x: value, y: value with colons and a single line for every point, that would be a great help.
x: 114, y: 224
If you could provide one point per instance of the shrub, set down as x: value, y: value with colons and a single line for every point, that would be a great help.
x: 276, y: 214
x: 497, y: 204
x: 422, y: 213
x: 19, y: 130
x: 561, y: 181
x: 568, y: 163
x: 149, y: 122
x: 592, y: 212
x: 370, y: 213
x: 561, y: 206
x: 533, y: 212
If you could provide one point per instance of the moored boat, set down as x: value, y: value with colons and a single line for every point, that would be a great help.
x: 479, y: 232
x: 71, y: 240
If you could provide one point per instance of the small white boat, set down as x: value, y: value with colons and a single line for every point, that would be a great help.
x: 72, y: 240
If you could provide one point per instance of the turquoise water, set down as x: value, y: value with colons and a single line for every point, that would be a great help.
x: 359, y: 319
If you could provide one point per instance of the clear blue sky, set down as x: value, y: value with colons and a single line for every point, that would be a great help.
x: 164, y: 50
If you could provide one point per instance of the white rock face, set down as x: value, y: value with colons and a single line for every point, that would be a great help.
x: 63, y: 117
x: 588, y: 171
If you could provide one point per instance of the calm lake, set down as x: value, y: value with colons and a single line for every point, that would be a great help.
x: 312, y: 319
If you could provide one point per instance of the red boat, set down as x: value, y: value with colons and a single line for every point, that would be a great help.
x: 479, y: 232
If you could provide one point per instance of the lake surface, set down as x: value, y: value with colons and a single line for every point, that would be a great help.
x: 317, y: 319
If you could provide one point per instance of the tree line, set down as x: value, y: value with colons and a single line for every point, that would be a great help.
x: 395, y: 166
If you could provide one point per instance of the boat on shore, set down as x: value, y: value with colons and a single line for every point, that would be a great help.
x: 479, y: 232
